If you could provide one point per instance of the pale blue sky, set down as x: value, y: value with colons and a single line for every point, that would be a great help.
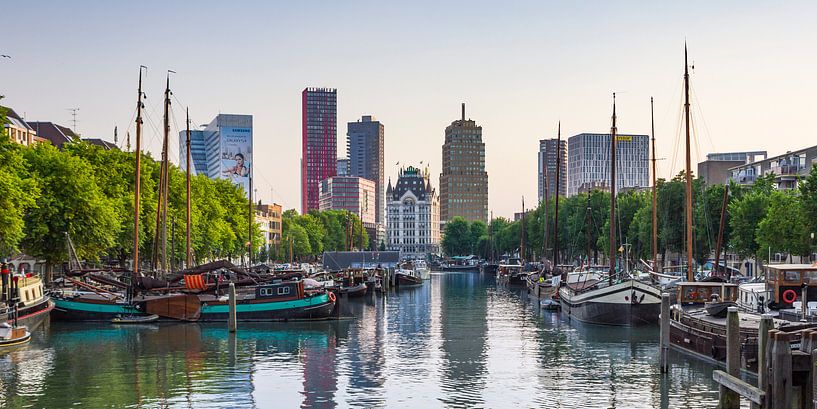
x: 519, y: 66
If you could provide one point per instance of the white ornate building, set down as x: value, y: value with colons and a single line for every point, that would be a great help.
x: 413, y: 215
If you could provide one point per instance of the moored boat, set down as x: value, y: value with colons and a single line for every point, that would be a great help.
x: 13, y: 335
x: 407, y: 278
x: 23, y: 295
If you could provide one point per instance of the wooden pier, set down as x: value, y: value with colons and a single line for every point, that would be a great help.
x: 786, y: 377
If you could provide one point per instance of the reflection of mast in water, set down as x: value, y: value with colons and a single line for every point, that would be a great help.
x: 464, y: 327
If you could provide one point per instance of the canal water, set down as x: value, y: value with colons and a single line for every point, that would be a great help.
x: 458, y: 341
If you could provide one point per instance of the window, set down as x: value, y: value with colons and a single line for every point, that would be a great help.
x: 283, y: 290
x: 791, y: 276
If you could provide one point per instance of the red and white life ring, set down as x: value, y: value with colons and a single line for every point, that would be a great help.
x: 789, y: 296
x: 332, y: 296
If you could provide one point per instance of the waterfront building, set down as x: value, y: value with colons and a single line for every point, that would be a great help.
x: 268, y: 218
x: 221, y: 149
x: 319, y: 151
x: 198, y: 151
x: 715, y: 169
x: 18, y: 130
x: 365, y: 146
x: 549, y: 151
x: 588, y: 161
x: 788, y: 169
x: 413, y: 215
x: 101, y: 143
x: 463, y: 181
x: 344, y: 167
x: 353, y: 194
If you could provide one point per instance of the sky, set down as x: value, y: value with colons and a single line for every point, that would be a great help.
x: 519, y: 66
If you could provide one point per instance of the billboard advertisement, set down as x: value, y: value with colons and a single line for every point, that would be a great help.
x: 236, y: 155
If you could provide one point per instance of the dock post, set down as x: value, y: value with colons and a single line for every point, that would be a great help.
x: 766, y: 324
x: 232, y: 321
x: 767, y: 382
x: 665, y: 327
x: 729, y: 399
x: 807, y: 345
x: 781, y: 371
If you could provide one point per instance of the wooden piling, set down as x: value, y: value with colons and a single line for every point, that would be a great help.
x: 766, y: 323
x: 728, y: 398
x: 781, y: 382
x: 807, y: 345
x: 232, y: 320
x: 665, y: 328
x: 767, y: 382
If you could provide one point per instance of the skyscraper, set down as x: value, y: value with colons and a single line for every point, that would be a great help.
x: 588, y: 162
x: 319, y: 150
x: 547, y: 161
x: 365, y: 149
x: 222, y: 149
x: 463, y: 182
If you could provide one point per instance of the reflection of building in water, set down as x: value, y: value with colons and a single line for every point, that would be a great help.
x: 464, y: 325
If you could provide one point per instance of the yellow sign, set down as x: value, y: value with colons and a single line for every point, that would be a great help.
x: 624, y: 138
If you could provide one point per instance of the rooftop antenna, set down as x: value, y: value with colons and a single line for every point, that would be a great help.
x: 463, y: 111
x: 73, y: 118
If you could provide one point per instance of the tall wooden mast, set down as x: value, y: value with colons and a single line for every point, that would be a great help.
x: 522, y: 233
x: 654, y: 193
x: 166, y: 173
x: 613, y: 195
x: 188, y: 252
x: 137, y: 178
x: 688, y: 171
x: 556, y: 195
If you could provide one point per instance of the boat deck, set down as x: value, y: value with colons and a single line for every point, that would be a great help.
x: 583, y: 285
x: 748, y: 321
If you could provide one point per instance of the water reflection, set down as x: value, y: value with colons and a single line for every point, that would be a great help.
x: 458, y: 341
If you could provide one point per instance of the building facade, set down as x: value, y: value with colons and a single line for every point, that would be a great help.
x: 588, y: 161
x: 268, y: 218
x: 221, y: 149
x: 18, y: 130
x: 549, y: 151
x: 343, y: 167
x: 350, y: 193
x: 319, y: 146
x: 715, y: 169
x: 788, y: 169
x: 413, y: 215
x: 198, y: 152
x: 365, y: 146
x: 464, y: 181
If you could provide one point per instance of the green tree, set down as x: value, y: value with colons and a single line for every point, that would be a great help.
x: 72, y: 203
x: 746, y: 214
x: 457, y: 237
x: 808, y: 201
x: 783, y: 228
x: 18, y: 195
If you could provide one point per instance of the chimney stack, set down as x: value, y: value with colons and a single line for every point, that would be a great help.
x: 463, y: 111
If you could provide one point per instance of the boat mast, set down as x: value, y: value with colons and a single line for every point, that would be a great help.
x: 137, y: 182
x: 522, y: 233
x: 654, y: 193
x: 556, y: 195
x: 166, y: 173
x: 188, y: 253
x: 249, y: 224
x: 688, y: 171
x: 613, y: 195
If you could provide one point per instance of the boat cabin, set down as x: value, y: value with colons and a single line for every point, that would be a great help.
x: 700, y: 292
x: 753, y: 297
x: 287, y: 290
x: 787, y: 282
